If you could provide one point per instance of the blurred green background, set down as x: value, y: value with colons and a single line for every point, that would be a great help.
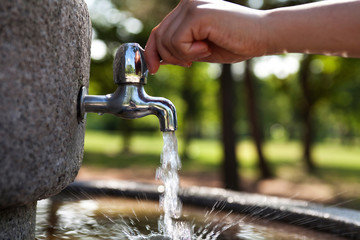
x: 292, y: 116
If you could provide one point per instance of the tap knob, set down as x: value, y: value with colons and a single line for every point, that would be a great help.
x: 129, y: 65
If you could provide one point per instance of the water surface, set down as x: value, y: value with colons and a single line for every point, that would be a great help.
x: 130, y: 219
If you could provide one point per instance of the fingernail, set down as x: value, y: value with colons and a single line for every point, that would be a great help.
x: 204, y: 55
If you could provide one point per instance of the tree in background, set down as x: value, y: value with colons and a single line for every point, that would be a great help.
x: 230, y: 165
x: 307, y: 108
x: 255, y: 120
x: 192, y: 93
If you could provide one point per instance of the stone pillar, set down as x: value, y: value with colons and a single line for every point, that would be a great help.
x: 44, y: 61
x: 18, y: 222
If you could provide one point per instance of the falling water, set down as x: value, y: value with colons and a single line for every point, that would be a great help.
x: 169, y: 201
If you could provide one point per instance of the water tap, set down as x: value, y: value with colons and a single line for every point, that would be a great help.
x: 130, y: 100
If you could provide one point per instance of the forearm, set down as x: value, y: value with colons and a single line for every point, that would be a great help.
x: 326, y: 27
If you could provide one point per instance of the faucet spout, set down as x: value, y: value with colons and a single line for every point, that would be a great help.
x: 131, y: 102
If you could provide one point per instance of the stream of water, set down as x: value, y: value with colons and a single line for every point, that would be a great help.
x: 169, y: 201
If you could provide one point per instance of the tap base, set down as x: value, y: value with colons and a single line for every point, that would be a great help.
x: 81, y: 104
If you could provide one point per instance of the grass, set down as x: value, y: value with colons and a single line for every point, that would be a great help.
x: 337, y: 166
x: 105, y: 149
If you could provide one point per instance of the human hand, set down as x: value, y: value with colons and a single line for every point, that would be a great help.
x: 205, y: 30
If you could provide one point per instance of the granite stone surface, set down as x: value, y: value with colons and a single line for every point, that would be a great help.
x: 18, y: 223
x: 44, y: 61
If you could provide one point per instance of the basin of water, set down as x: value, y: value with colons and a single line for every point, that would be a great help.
x: 132, y: 211
x: 124, y: 218
x: 129, y: 210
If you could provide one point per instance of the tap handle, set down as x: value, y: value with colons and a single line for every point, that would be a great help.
x: 129, y: 65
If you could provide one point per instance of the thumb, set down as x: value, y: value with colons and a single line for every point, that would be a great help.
x: 198, y: 49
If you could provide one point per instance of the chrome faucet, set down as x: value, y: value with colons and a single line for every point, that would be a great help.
x: 130, y: 100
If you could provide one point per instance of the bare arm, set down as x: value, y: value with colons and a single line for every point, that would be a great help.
x: 327, y: 27
x: 223, y: 32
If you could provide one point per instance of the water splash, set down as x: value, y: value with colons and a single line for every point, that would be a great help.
x: 112, y: 218
x: 169, y: 201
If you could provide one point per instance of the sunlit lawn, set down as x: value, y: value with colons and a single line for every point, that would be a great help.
x: 337, y: 166
x: 104, y: 149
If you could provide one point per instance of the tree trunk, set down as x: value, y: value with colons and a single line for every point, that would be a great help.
x: 254, y: 121
x: 230, y: 165
x: 127, y: 133
x: 306, y: 109
x: 191, y: 113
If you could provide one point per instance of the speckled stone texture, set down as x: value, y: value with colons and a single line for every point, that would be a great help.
x: 18, y: 223
x: 44, y: 60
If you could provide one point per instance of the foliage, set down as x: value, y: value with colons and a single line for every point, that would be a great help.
x: 146, y: 149
x: 335, y: 82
